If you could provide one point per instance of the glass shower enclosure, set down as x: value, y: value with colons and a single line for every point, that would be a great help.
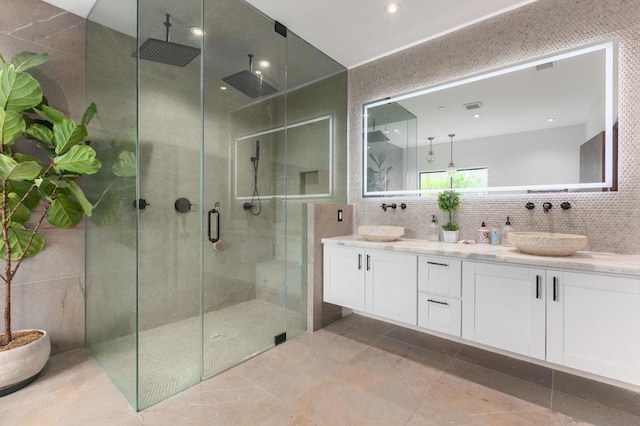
x: 215, y: 126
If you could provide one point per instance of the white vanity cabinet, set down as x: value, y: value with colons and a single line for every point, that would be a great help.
x: 580, y: 312
x: 439, y: 292
x: 344, y: 276
x: 504, y: 307
x: 593, y: 323
x: 379, y: 282
x: 590, y: 322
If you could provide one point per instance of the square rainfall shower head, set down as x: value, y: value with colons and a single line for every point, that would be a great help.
x: 249, y: 84
x: 166, y: 52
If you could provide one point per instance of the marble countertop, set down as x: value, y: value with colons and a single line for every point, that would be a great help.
x: 582, y: 260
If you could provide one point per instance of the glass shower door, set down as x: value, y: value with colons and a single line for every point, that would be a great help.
x: 244, y: 114
x: 169, y: 238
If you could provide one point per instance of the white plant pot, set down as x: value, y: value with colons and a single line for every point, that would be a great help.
x: 21, y: 366
x: 450, y: 236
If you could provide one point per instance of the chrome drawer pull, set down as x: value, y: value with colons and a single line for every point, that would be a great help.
x: 439, y: 264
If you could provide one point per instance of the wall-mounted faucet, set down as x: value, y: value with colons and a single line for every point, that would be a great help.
x: 394, y: 206
x: 547, y: 206
x: 565, y: 206
x: 530, y: 206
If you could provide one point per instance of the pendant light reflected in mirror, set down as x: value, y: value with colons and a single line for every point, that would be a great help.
x: 431, y: 156
x: 451, y: 168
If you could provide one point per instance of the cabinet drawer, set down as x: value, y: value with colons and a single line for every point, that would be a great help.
x: 440, y: 275
x: 440, y: 313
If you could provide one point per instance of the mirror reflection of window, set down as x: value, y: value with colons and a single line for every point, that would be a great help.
x: 464, y: 178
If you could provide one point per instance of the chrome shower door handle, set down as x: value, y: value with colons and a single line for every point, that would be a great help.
x: 211, y: 213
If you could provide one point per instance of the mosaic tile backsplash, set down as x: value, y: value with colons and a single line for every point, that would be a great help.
x: 541, y: 28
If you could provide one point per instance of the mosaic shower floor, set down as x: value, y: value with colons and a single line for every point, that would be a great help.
x: 169, y: 355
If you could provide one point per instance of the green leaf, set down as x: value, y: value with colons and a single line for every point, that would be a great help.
x: 21, y: 188
x: 18, y: 240
x: 12, y: 125
x: 26, y: 60
x: 89, y: 113
x: 79, y: 159
x: 78, y: 194
x: 67, y: 134
x: 126, y: 165
x: 19, y: 91
x: 40, y: 133
x: 108, y: 210
x: 22, y: 158
x: 46, y: 187
x: 51, y: 114
x: 129, y: 238
x: 12, y: 170
x: 64, y: 213
x: 22, y: 213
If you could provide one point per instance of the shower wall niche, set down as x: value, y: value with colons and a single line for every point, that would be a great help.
x: 165, y: 308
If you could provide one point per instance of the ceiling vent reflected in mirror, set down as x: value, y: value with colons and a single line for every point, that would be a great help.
x: 472, y: 106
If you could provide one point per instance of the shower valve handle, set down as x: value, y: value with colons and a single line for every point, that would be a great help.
x: 140, y: 204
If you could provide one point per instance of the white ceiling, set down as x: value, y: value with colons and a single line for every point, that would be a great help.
x: 357, y: 31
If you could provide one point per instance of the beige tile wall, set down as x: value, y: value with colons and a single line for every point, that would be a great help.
x: 538, y: 29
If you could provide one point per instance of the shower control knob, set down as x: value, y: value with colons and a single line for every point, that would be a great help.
x: 183, y: 205
x: 140, y: 204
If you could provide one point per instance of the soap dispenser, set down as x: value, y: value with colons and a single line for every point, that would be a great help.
x: 494, y: 235
x: 505, y: 233
x: 483, y: 234
x: 434, y: 229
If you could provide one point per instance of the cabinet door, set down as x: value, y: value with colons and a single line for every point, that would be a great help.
x: 594, y: 324
x: 392, y: 285
x: 343, y: 279
x: 440, y: 275
x: 439, y: 313
x: 504, y: 307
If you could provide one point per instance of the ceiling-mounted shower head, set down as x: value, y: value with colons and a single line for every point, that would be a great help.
x: 249, y: 83
x: 376, y: 135
x: 166, y: 52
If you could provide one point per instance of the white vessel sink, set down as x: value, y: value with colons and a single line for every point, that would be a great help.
x: 548, y: 244
x: 380, y: 233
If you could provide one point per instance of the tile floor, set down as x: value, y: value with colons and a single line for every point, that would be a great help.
x: 350, y: 373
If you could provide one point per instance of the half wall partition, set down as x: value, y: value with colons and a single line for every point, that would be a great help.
x: 215, y: 126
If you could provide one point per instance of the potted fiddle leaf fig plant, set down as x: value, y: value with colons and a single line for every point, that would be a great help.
x: 449, y: 202
x: 34, y: 189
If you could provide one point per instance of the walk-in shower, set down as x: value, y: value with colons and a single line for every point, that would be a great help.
x: 165, y: 307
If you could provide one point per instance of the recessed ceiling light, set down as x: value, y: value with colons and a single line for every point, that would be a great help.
x: 258, y: 72
x: 223, y: 87
x: 551, y: 119
x: 476, y: 115
x: 264, y: 64
x: 196, y: 31
x: 392, y: 8
x: 441, y: 108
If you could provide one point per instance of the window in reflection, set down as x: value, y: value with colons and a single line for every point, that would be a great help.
x: 477, y: 177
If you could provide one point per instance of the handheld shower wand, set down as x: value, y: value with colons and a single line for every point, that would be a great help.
x: 256, y: 196
x: 257, y: 157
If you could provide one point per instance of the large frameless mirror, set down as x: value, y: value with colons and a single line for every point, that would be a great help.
x: 545, y: 125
